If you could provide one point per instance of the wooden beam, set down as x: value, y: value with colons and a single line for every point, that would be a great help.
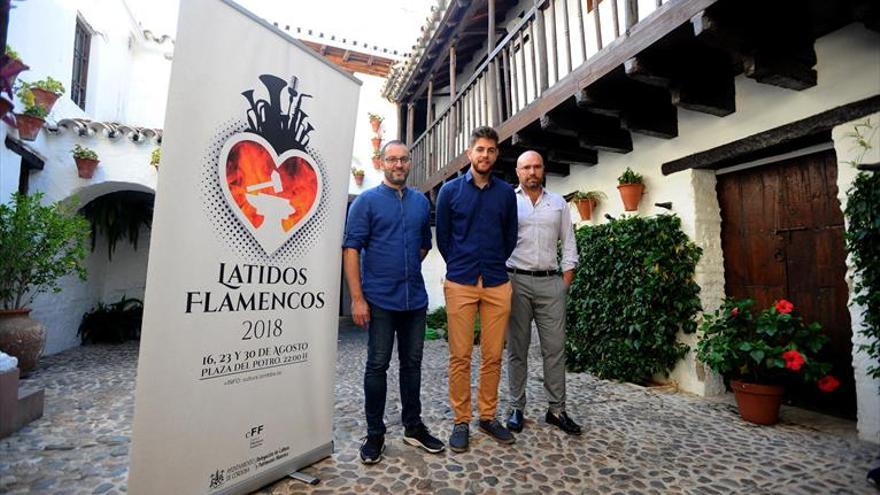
x: 822, y: 122
x: 410, y: 121
x: 783, y: 70
x: 429, y: 111
x: 584, y: 157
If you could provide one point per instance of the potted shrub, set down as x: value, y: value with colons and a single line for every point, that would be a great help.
x: 586, y: 202
x: 86, y: 161
x: 758, y: 353
x: 631, y: 188
x: 45, y: 91
x: 30, y: 121
x: 39, y: 244
x: 377, y: 160
x: 375, y: 121
x: 156, y: 157
x: 358, y: 174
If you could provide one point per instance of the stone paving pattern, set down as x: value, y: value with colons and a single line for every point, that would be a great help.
x: 636, y: 440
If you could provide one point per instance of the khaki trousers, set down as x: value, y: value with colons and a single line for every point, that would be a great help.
x: 462, y: 304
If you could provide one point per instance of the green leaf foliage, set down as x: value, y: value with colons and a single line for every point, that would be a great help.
x: 863, y: 245
x: 119, y: 215
x: 39, y: 244
x: 438, y: 328
x: 112, y: 323
x: 633, y: 291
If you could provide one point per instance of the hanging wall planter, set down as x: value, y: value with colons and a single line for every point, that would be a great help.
x: 86, y: 161
x: 28, y: 126
x: 358, y: 175
x: 375, y: 121
x: 586, y: 202
x: 631, y: 187
x: 43, y: 93
x: 377, y: 141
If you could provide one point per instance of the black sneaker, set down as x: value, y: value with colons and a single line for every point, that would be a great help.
x: 372, y: 449
x: 460, y: 438
x: 563, y: 422
x: 497, y: 431
x: 420, y: 437
x: 516, y: 421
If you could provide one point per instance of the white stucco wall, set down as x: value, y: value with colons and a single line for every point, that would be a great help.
x: 867, y: 389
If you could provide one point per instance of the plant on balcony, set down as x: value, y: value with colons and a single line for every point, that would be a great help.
x: 86, y: 161
x: 358, y: 174
x: 32, y: 119
x: 757, y: 353
x: 587, y: 201
x: 156, y: 157
x: 631, y: 186
x: 45, y: 91
x: 375, y: 121
x: 39, y: 244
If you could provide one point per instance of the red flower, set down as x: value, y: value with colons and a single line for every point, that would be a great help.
x: 828, y: 383
x: 734, y: 312
x: 784, y: 307
x: 793, y: 360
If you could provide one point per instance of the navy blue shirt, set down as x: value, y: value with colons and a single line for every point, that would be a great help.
x: 476, y: 229
x: 389, y: 231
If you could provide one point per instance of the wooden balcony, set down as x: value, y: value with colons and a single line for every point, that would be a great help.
x: 573, y: 82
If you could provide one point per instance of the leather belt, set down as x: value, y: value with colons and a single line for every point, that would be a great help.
x: 535, y: 273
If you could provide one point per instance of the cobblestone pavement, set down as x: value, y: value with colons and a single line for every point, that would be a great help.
x: 635, y: 440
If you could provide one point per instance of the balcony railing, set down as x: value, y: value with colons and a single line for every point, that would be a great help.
x: 553, y: 39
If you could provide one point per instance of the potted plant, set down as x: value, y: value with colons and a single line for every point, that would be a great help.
x: 631, y: 188
x: 377, y: 159
x: 32, y: 119
x: 377, y: 142
x: 358, y: 174
x: 758, y: 353
x: 375, y: 121
x: 39, y: 244
x: 10, y: 66
x: 45, y: 91
x: 156, y: 157
x: 586, y: 202
x: 86, y: 161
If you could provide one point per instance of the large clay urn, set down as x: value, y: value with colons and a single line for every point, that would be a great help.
x: 23, y: 337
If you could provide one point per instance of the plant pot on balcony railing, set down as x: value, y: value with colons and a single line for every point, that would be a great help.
x: 86, y: 161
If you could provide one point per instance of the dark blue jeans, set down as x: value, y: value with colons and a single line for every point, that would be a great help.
x: 410, y: 329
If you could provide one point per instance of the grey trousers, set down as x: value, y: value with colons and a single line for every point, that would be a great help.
x: 541, y: 299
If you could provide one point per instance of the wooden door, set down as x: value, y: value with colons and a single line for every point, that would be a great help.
x: 782, y: 236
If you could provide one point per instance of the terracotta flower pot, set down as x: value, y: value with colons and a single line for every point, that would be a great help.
x: 85, y: 167
x: 12, y: 69
x: 758, y: 404
x: 375, y: 125
x: 631, y: 194
x: 22, y: 337
x: 359, y: 180
x: 5, y: 106
x: 28, y: 126
x: 44, y: 99
x: 377, y: 163
x: 377, y: 141
x: 585, y: 208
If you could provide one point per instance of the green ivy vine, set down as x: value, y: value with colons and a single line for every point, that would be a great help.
x: 863, y: 244
x: 633, y: 291
x: 119, y: 215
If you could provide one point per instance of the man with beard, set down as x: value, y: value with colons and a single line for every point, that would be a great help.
x: 476, y: 233
x: 539, y: 292
x: 389, y: 225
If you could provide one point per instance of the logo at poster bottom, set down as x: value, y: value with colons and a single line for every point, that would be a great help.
x: 272, y: 195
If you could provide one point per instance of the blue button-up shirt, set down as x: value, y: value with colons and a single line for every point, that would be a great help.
x: 476, y: 229
x: 389, y: 231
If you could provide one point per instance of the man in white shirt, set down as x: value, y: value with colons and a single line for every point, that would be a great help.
x: 539, y: 292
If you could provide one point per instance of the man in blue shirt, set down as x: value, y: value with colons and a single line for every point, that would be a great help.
x: 476, y: 233
x: 389, y: 226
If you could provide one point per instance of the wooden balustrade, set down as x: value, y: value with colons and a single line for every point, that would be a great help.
x: 516, y: 73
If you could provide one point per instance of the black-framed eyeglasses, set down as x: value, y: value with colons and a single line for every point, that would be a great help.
x: 392, y: 160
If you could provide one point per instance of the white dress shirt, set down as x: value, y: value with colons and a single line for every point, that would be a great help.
x: 541, y: 225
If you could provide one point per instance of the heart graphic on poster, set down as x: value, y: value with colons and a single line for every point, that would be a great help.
x: 273, y: 196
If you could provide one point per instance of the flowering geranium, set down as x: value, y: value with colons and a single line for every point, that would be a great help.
x: 763, y: 348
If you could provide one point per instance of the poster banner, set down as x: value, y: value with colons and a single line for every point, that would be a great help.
x: 235, y: 377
